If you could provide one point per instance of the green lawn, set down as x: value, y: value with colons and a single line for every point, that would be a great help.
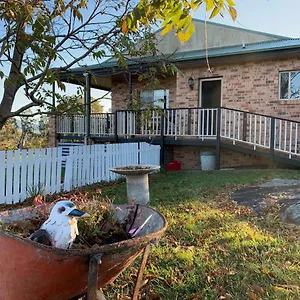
x: 214, y: 249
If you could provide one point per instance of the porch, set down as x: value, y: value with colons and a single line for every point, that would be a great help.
x: 274, y: 138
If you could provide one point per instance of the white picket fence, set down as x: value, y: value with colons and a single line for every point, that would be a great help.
x: 91, y: 164
x: 27, y: 172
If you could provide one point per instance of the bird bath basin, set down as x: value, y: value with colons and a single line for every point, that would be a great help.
x: 137, y: 181
x: 32, y: 271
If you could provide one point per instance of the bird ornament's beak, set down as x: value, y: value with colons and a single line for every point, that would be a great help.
x: 78, y: 213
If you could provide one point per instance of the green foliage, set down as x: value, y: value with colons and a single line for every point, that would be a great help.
x: 175, y: 14
x: 9, y: 135
x: 34, y: 190
x: 42, y: 39
x: 74, y: 104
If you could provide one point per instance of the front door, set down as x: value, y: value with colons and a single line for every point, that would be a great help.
x: 210, y: 95
x: 210, y: 91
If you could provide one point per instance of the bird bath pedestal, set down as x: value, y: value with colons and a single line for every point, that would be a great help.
x: 137, y: 181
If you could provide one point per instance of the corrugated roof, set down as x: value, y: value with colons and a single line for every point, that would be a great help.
x: 200, y: 54
x: 241, y: 49
x: 281, y: 37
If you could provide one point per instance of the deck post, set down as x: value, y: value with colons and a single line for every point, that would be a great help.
x: 272, y: 143
x: 189, y: 121
x: 53, y: 128
x: 116, y: 126
x: 162, y: 138
x: 244, y: 126
x: 218, y: 142
x: 87, y: 104
x: 129, y: 102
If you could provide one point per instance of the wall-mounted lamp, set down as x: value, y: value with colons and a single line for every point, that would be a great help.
x: 191, y: 83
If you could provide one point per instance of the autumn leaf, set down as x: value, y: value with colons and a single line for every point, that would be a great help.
x: 230, y: 3
x: 257, y: 289
x: 232, y: 13
x: 215, y: 12
x: 253, y: 296
x: 167, y: 28
x: 153, y: 295
x: 209, y: 5
x: 181, y: 36
x: 124, y: 27
x: 189, y: 32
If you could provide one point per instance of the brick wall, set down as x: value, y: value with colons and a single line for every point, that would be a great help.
x: 120, y: 91
x: 190, y: 158
x: 252, y: 86
x: 52, y: 131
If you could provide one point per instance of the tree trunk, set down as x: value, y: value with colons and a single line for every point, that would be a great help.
x: 14, y: 80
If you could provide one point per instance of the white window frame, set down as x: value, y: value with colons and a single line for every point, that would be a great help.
x: 166, y: 93
x: 289, y: 86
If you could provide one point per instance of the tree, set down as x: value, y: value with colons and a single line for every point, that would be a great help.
x: 43, y: 38
x: 75, y: 105
x: 10, y: 135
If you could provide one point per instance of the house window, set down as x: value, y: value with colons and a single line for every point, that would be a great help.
x: 289, y: 85
x: 155, y: 98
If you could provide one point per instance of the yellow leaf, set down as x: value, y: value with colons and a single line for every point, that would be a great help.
x: 230, y: 2
x: 209, y: 5
x: 232, y: 13
x: 189, y: 32
x: 167, y: 28
x: 181, y: 36
x: 124, y: 27
x: 214, y: 12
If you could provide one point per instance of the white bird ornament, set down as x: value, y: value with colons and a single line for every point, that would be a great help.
x: 60, y: 229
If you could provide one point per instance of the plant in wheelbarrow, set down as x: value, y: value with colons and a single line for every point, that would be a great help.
x: 103, y: 249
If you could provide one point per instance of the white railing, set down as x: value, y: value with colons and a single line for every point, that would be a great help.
x: 236, y: 126
x: 246, y: 127
x: 286, y: 138
x: 145, y: 122
x: 195, y: 122
x: 29, y: 172
x: 256, y: 130
x: 90, y: 164
x: 71, y: 124
x: 102, y: 124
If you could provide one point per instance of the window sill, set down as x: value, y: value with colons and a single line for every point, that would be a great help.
x: 289, y: 102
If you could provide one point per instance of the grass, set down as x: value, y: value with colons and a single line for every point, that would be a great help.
x: 214, y: 249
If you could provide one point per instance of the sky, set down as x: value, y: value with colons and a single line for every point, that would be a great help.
x: 280, y: 17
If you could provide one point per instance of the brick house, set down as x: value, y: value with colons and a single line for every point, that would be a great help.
x: 237, y: 94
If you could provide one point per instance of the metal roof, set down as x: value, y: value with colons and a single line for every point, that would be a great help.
x: 104, y: 71
x: 200, y: 54
x: 236, y: 28
x: 239, y: 49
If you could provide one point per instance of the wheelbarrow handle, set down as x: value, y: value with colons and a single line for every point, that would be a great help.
x: 93, y: 293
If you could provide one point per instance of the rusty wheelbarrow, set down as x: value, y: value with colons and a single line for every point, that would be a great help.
x: 31, y: 271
